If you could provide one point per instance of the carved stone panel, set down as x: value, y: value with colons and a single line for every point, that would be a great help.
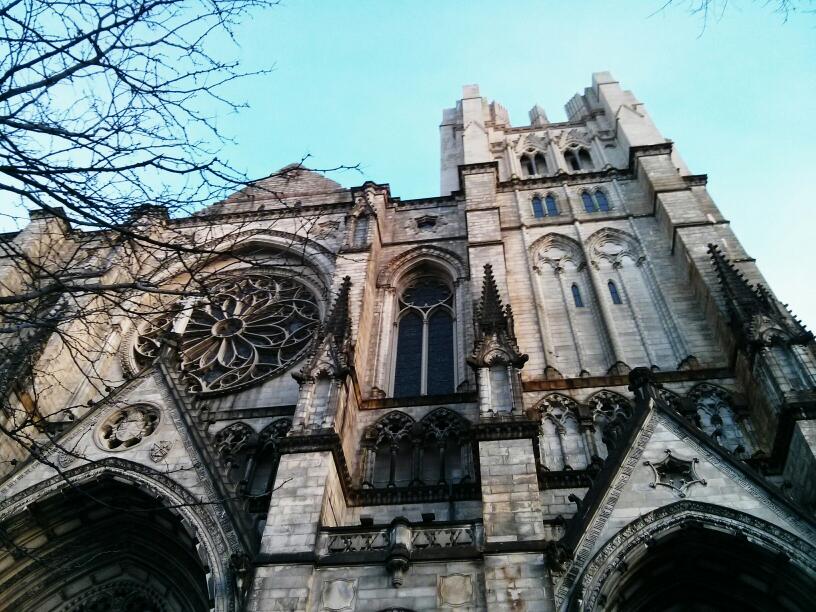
x: 455, y: 590
x: 338, y: 594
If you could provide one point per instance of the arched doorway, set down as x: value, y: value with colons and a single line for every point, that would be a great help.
x: 695, y: 557
x: 100, y: 546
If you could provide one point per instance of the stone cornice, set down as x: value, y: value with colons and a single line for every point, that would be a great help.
x: 544, y: 384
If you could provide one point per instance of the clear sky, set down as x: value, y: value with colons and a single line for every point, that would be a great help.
x: 365, y: 82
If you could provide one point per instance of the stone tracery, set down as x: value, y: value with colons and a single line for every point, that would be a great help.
x: 249, y: 327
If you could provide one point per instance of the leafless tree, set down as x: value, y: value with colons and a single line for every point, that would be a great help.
x: 707, y: 10
x: 108, y: 134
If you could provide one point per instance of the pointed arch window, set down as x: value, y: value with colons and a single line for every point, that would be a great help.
x: 361, y: 231
x: 613, y: 293
x: 538, y: 208
x: 589, y: 203
x: 540, y: 164
x: 572, y: 160
x: 585, y: 159
x: 533, y: 164
x: 527, y: 166
x: 424, y: 363
x: 551, y: 204
x: 603, y: 203
x: 576, y: 296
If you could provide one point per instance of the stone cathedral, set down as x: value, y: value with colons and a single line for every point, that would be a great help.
x: 561, y: 385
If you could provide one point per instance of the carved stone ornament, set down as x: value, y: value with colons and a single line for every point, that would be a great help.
x: 675, y: 473
x: 455, y: 590
x: 159, y: 450
x: 231, y: 440
x: 250, y: 326
x: 127, y: 427
x: 338, y: 595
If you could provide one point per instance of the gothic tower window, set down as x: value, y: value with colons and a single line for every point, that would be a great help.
x: 603, y: 203
x: 589, y: 203
x: 576, y: 296
x: 424, y: 363
x: 527, y: 166
x: 533, y: 164
x: 552, y: 206
x: 578, y: 158
x: 610, y: 411
x: 540, y: 164
x: 613, y: 293
x: 538, y: 208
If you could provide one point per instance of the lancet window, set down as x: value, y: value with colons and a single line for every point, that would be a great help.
x: 610, y: 412
x: 578, y: 158
x: 594, y: 202
x: 399, y: 452
x: 252, y: 459
x: 561, y: 443
x: 548, y: 207
x: 533, y: 164
x: 424, y: 362
x: 716, y: 417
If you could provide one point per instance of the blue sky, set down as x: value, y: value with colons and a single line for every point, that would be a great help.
x: 365, y: 83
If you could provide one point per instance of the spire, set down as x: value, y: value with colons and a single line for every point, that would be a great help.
x: 743, y: 301
x: 338, y: 323
x: 748, y: 304
x: 495, y: 336
x: 331, y: 354
x: 490, y: 316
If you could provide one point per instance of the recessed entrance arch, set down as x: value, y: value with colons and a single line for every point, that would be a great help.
x: 696, y: 557
x: 106, y: 542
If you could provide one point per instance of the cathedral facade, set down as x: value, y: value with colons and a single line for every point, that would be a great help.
x: 560, y: 385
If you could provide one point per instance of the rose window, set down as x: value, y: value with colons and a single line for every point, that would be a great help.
x: 250, y: 326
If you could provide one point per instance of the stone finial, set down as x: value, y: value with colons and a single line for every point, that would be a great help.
x: 495, y: 335
x: 752, y: 308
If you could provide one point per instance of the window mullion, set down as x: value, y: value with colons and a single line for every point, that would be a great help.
x: 424, y: 374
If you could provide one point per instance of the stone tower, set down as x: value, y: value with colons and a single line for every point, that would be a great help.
x: 560, y: 385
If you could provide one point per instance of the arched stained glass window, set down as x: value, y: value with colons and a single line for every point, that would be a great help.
x: 538, y: 208
x: 424, y: 362
x: 408, y: 381
x: 603, y: 203
x: 576, y: 295
x: 552, y: 207
x: 613, y: 292
x: 440, y: 353
x: 589, y: 203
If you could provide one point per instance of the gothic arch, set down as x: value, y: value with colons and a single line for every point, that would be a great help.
x: 614, y: 246
x: 446, y: 259
x: 561, y: 249
x: 629, y: 571
x: 565, y: 293
x: 714, y: 413
x: 610, y: 411
x: 430, y: 262
x: 121, y: 494
x: 634, y: 302
x: 561, y: 441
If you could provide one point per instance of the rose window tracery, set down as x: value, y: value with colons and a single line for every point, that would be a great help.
x: 248, y: 327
